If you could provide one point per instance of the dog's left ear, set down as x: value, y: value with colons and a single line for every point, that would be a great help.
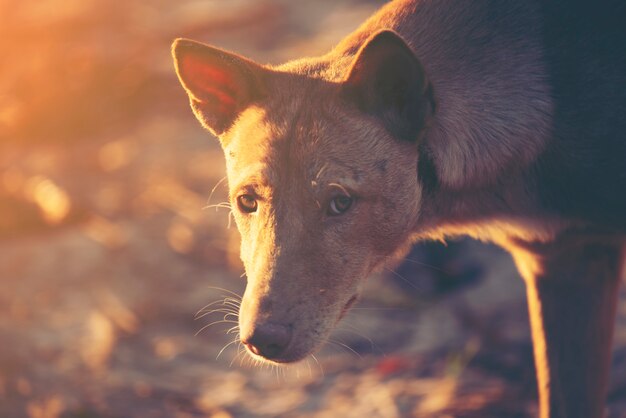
x: 387, y: 80
x: 220, y: 84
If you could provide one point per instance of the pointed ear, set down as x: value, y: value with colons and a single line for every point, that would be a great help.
x: 220, y: 84
x: 387, y: 80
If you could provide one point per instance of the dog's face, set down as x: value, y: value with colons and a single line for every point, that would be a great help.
x: 322, y: 176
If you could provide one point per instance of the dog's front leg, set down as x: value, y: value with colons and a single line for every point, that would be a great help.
x: 572, y: 286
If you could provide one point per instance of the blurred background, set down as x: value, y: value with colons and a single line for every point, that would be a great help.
x: 107, y: 252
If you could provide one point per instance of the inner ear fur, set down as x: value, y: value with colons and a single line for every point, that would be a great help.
x: 220, y: 84
x: 387, y: 80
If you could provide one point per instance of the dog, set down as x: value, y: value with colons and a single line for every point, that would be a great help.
x: 502, y: 120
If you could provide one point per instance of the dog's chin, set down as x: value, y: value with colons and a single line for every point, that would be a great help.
x: 291, y: 356
x: 281, y: 361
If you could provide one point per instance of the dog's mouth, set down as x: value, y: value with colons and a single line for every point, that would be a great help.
x: 269, y: 343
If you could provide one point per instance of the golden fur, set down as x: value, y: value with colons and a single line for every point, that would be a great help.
x: 434, y: 118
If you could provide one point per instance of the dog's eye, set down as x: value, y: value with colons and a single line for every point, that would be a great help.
x: 339, y: 205
x: 247, y: 203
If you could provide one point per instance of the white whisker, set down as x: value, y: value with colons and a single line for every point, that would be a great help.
x: 318, y: 364
x: 347, y: 347
x: 214, y: 323
x: 414, y: 286
x: 233, y: 330
x: 215, y: 188
x: 225, y: 347
x: 237, y: 296
x: 219, y: 310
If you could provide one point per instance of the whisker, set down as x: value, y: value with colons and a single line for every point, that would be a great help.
x: 215, y: 188
x: 241, y: 351
x: 248, y: 361
x: 413, y: 285
x: 377, y: 309
x: 231, y: 309
x: 278, y: 372
x: 221, y: 310
x: 225, y: 309
x: 209, y: 305
x: 233, y: 303
x: 221, y: 205
x: 214, y: 323
x: 240, y: 357
x: 350, y: 349
x: 226, y: 298
x: 235, y: 315
x: 318, y: 364
x: 419, y: 263
x: 308, y: 364
x: 237, y: 296
x: 225, y: 347
x: 354, y: 331
x: 230, y: 219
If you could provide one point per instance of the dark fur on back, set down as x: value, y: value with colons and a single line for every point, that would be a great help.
x: 583, y: 171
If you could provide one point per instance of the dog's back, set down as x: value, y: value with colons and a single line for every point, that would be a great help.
x: 560, y: 66
x: 583, y: 172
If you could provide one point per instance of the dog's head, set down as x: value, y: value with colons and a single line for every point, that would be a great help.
x: 322, y: 171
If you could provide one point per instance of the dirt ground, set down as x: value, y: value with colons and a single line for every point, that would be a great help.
x: 108, y: 250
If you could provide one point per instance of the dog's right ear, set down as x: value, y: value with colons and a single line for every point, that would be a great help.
x: 388, y: 81
x: 220, y: 84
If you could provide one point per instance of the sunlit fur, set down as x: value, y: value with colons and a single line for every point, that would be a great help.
x: 303, y: 265
x: 515, y: 135
x: 302, y: 136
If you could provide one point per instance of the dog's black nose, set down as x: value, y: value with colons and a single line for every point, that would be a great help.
x: 268, y: 340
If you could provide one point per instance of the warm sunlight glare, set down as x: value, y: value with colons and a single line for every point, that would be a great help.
x: 53, y: 201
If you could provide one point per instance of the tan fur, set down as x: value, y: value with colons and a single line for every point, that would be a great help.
x: 293, y: 257
x: 450, y: 138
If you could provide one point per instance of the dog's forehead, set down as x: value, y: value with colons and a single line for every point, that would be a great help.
x: 308, y: 140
